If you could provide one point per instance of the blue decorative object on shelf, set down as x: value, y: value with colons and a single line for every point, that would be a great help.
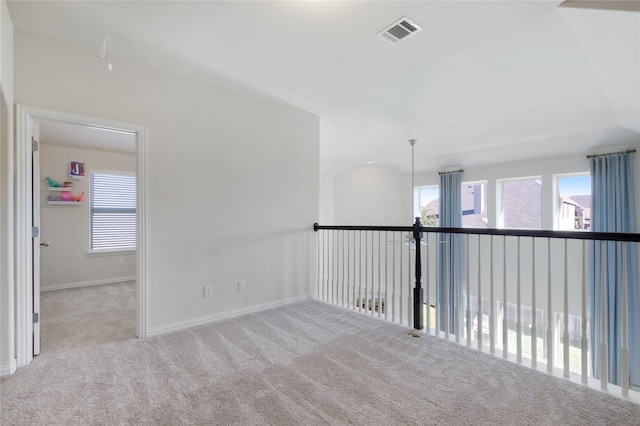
x: 53, y: 183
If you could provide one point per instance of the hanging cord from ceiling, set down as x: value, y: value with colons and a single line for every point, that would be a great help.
x: 106, y: 44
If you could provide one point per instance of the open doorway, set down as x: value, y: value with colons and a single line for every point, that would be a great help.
x: 87, y: 212
x: 32, y: 191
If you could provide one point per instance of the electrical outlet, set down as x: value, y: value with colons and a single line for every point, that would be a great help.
x: 121, y: 262
x: 242, y: 285
x: 207, y: 291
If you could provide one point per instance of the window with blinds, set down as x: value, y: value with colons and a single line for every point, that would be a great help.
x: 113, y: 211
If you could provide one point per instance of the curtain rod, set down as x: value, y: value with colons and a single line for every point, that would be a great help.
x: 628, y: 151
x: 452, y: 171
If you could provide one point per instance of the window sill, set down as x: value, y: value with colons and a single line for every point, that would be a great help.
x: 115, y: 252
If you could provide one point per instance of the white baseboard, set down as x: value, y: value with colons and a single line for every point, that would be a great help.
x: 7, y: 370
x: 86, y: 283
x: 183, y: 325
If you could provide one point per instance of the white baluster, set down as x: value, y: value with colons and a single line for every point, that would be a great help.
x: 479, y: 314
x: 427, y: 279
x: 456, y: 286
x: 447, y: 288
x: 518, y: 314
x: 338, y: 271
x: 348, y: 271
x: 327, y: 275
x: 401, y: 284
x: 337, y: 288
x: 603, y: 319
x: 359, y: 300
x: 344, y: 266
x: 320, y: 264
x: 585, y: 341
x: 373, y: 276
x: 549, y: 312
x: 386, y: 275
x: 409, y: 288
x: 365, y: 303
x: 353, y: 299
x: 329, y: 264
x: 505, y: 306
x: 437, y: 304
x: 492, y: 330
x: 534, y: 330
x: 393, y: 280
x: 467, y: 279
x: 565, y: 335
x: 624, y: 350
x: 380, y: 274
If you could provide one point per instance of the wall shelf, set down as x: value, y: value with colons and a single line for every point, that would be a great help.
x: 65, y: 203
x: 59, y: 188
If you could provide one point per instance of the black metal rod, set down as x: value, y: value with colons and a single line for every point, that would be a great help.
x: 418, y: 296
x: 628, y: 151
x: 451, y: 171
x: 570, y: 235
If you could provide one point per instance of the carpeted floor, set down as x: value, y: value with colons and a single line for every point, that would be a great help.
x: 303, y: 364
x: 87, y: 316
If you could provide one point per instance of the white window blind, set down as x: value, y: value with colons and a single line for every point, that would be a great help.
x: 113, y: 211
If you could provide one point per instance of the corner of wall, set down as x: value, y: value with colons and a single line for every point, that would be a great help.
x: 7, y: 332
x: 8, y: 369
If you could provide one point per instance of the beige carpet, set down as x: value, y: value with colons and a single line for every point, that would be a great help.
x: 304, y: 364
x: 87, y: 316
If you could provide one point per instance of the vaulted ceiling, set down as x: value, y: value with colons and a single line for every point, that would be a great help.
x: 483, y: 82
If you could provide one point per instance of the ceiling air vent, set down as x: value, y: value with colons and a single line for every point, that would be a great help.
x: 400, y: 30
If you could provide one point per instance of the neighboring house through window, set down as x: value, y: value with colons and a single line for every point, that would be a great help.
x: 522, y: 203
x: 113, y: 211
x: 474, y: 205
x: 574, y: 198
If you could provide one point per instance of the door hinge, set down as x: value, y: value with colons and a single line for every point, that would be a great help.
x: 35, y: 231
x: 36, y: 317
x: 34, y: 144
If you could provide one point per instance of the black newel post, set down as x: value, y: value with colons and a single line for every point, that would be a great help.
x: 418, y: 296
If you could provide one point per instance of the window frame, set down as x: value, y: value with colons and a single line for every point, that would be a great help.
x: 417, y: 211
x: 124, y: 210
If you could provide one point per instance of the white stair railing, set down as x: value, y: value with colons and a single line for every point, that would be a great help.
x: 503, y: 294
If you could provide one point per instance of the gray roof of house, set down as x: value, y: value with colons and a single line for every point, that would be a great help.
x: 583, y: 201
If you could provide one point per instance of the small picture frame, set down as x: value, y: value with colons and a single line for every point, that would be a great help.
x: 76, y: 169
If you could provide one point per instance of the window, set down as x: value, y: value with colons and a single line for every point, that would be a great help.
x: 574, y: 202
x: 113, y: 211
x: 428, y: 202
x: 474, y: 205
x: 522, y: 203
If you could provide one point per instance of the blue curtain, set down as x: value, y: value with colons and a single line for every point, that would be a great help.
x: 450, y: 216
x: 613, y: 210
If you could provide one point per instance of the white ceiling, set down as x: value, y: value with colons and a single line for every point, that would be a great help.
x: 485, y: 81
x: 86, y: 137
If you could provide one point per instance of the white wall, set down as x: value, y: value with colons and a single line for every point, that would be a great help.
x: 232, y: 181
x: 7, y: 355
x: 372, y: 195
x: 67, y: 262
x: 326, y: 214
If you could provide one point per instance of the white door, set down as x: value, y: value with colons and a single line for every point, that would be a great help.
x: 36, y: 242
